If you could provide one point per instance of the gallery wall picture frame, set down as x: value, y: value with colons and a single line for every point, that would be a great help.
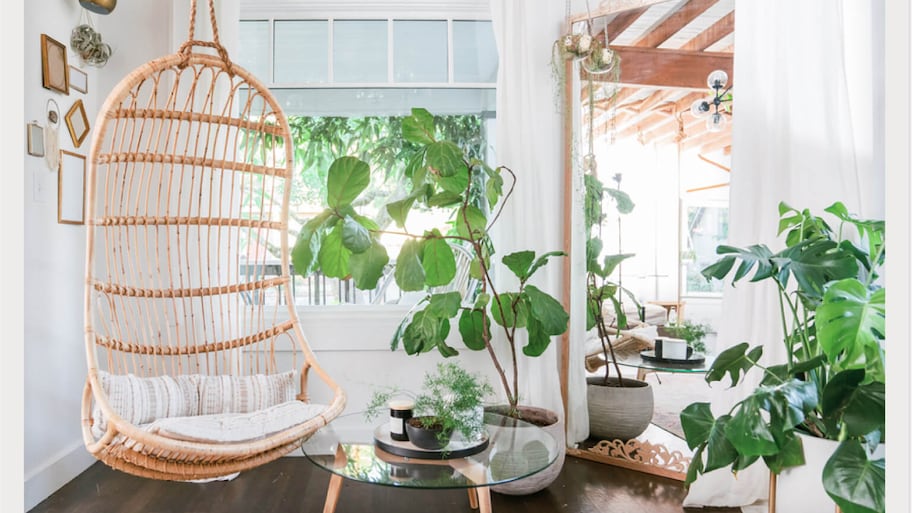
x: 34, y: 134
x: 71, y: 188
x: 55, y: 73
x: 79, y: 80
x: 77, y: 123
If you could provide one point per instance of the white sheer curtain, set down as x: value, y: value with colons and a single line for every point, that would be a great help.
x: 808, y: 102
x: 529, y: 141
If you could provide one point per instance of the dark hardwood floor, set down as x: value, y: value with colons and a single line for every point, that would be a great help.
x: 296, y: 485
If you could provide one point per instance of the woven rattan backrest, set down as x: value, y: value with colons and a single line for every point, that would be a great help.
x: 187, y: 198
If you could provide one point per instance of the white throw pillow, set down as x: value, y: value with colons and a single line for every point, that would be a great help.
x: 244, y: 394
x: 142, y: 400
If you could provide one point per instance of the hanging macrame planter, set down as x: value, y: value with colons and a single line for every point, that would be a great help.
x: 88, y: 43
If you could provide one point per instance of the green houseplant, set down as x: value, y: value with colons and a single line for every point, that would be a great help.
x: 448, y: 402
x: 619, y: 408
x: 832, y: 382
x: 342, y: 243
x: 693, y: 332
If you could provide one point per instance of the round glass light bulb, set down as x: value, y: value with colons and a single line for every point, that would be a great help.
x: 717, y: 79
x: 699, y: 108
x: 716, y: 122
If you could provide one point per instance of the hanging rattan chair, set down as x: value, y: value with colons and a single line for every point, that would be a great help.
x: 189, y: 311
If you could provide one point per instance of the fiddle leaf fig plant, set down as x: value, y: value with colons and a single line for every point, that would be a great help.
x: 600, y: 287
x: 341, y: 243
x: 832, y: 384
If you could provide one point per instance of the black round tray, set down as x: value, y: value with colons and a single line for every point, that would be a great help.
x: 457, y: 448
x: 694, y: 359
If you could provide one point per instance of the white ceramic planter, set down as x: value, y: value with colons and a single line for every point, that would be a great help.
x: 618, y: 413
x: 540, y: 480
x: 800, y: 489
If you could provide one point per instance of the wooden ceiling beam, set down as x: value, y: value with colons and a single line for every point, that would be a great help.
x: 638, y: 125
x: 718, y: 144
x: 609, y: 7
x: 687, y: 125
x: 710, y: 36
x: 683, y: 69
x: 699, y: 140
x: 673, y: 23
x: 622, y: 22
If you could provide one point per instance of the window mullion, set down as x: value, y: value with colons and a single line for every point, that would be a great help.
x: 450, y: 53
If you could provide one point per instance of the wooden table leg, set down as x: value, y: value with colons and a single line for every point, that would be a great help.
x: 335, y: 484
x: 332, y: 494
x: 484, y: 499
x: 473, y: 498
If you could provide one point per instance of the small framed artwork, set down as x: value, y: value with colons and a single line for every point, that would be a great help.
x: 79, y: 80
x: 71, y: 188
x: 35, y: 138
x: 55, y: 73
x: 77, y: 123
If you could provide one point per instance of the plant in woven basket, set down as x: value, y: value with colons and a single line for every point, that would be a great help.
x: 832, y: 384
x: 342, y: 243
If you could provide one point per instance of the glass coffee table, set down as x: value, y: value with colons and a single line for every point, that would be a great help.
x: 347, y: 448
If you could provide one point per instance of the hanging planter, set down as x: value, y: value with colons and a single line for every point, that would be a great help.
x: 88, y: 43
x: 601, y: 61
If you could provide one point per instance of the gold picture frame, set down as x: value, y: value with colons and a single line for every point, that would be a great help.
x: 78, y: 80
x: 55, y: 72
x: 35, y: 139
x: 77, y: 123
x: 71, y: 188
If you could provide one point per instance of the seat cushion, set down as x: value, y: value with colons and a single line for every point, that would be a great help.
x: 237, y: 427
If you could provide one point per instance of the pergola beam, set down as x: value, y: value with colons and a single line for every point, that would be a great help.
x: 681, y: 69
x: 622, y: 22
x: 713, y: 34
x: 608, y: 7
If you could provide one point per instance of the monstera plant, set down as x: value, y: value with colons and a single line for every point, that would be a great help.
x: 831, y: 384
x: 341, y: 243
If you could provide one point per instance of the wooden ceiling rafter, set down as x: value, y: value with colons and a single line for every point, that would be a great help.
x: 675, y: 21
x: 621, y: 22
x: 712, y: 35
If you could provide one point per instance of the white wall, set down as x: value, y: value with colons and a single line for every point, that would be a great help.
x: 54, y: 253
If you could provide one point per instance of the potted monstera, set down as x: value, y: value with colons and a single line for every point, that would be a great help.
x: 341, y: 243
x: 831, y: 385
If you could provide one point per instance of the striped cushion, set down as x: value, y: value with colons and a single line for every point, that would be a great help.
x: 244, y: 394
x: 144, y: 400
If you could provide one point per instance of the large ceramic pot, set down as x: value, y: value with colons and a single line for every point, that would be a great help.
x: 800, y: 489
x: 554, y: 426
x: 618, y: 412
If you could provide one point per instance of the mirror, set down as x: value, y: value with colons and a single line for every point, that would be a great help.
x: 663, y: 186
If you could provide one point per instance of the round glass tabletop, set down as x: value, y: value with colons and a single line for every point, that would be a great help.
x: 515, y: 449
x: 700, y: 363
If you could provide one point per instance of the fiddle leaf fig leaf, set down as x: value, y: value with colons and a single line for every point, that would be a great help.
x: 439, y: 262
x: 471, y: 222
x: 502, y: 310
x: 346, y: 179
x: 419, y: 127
x: 367, y: 267
x: 444, y: 199
x: 612, y: 261
x: 547, y: 311
x: 539, y: 340
x: 399, y: 210
x: 472, y: 328
x: 445, y: 157
x: 409, y: 272
x: 622, y: 200
x: 850, y: 319
x: 334, y: 256
x: 519, y: 263
x: 543, y: 260
x: 445, y: 305
x: 354, y: 236
x: 306, y: 248
x: 494, y: 188
x: 733, y: 361
x: 457, y: 183
x: 421, y: 334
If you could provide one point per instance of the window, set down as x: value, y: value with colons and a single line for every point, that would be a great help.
x: 707, y: 227
x: 345, y: 85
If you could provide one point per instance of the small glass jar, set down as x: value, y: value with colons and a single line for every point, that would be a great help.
x: 400, y: 413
